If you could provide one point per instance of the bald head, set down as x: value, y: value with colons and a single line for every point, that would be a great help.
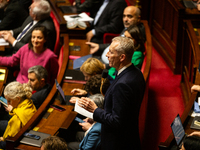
x: 131, y: 16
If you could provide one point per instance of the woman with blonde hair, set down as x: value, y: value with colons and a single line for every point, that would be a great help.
x: 92, y: 66
x: 20, y: 107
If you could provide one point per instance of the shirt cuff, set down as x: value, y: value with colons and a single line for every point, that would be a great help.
x: 14, y: 43
x: 93, y: 31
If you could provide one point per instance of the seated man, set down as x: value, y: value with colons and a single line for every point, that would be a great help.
x: 13, y: 14
x: 91, y: 6
x: 107, y: 19
x: 131, y: 16
x: 39, y: 15
x: 37, y: 76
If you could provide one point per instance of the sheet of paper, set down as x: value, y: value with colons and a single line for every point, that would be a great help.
x: 2, y: 74
x: 3, y: 42
x: 80, y: 17
x: 82, y: 111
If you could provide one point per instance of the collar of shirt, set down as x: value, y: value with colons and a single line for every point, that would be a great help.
x: 123, y: 68
x: 86, y: 132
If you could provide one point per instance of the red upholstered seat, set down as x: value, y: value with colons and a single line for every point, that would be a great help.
x: 57, y: 27
x: 107, y: 37
x: 60, y: 59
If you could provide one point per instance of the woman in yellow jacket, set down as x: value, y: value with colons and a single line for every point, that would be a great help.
x: 20, y: 107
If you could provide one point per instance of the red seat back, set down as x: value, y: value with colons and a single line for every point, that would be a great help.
x: 57, y: 27
x: 60, y: 59
x: 107, y: 37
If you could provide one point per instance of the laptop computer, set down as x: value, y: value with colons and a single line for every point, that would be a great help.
x: 65, y: 98
x: 178, y: 131
x: 79, y: 61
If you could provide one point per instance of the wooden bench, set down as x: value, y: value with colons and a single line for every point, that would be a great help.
x: 146, y: 67
x: 190, y: 75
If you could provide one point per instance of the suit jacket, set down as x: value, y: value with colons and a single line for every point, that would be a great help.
x: 91, y: 6
x: 119, y: 118
x: 93, y: 138
x: 13, y: 16
x: 39, y: 96
x: 48, y: 23
x: 110, y: 20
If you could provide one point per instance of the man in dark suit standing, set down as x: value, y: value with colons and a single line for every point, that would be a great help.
x: 39, y: 15
x: 122, y: 100
x: 107, y: 19
x: 13, y: 14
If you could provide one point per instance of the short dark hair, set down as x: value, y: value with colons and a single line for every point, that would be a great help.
x: 94, y: 83
x: 191, y: 143
x: 44, y: 31
x: 40, y: 72
x: 54, y: 143
x: 136, y: 34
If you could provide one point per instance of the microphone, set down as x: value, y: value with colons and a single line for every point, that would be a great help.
x: 104, y: 76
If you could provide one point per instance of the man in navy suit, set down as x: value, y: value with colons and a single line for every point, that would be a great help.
x: 107, y: 19
x: 122, y: 101
x: 13, y: 14
x: 39, y: 15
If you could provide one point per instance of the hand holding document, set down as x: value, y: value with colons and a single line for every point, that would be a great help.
x: 82, y: 111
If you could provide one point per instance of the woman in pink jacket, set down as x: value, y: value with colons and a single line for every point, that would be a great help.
x: 31, y: 54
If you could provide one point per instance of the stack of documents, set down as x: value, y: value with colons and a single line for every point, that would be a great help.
x: 3, y: 42
x: 79, y: 17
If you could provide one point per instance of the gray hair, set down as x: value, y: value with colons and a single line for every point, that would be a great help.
x: 40, y: 72
x: 42, y: 9
x: 126, y: 46
x: 15, y: 89
x: 98, y: 99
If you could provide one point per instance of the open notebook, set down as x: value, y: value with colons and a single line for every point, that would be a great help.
x: 178, y: 131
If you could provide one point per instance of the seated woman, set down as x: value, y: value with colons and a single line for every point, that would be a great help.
x: 92, y: 87
x: 32, y: 54
x: 134, y: 33
x: 90, y: 137
x: 89, y: 68
x: 20, y: 107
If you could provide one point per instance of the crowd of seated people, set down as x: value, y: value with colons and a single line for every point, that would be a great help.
x: 89, y: 138
x: 13, y: 14
x: 37, y: 53
x: 131, y: 16
x: 89, y: 68
x: 20, y: 107
x: 31, y: 54
x: 39, y: 15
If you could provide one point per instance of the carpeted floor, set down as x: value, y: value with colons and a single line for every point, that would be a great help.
x: 164, y: 103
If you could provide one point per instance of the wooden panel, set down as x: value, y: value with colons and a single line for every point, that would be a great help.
x: 190, y: 75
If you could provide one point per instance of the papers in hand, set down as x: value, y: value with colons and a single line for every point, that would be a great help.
x: 3, y: 42
x: 80, y: 17
x: 82, y: 111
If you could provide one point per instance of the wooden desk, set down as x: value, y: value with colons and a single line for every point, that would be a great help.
x: 52, y: 123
